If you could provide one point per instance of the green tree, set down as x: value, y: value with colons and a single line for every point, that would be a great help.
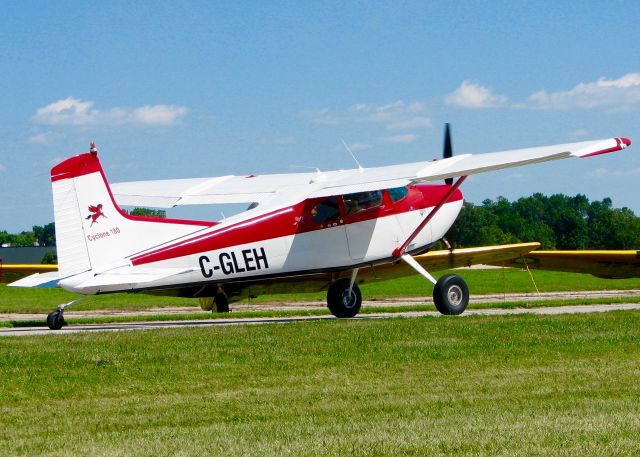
x: 558, y: 222
x: 148, y: 212
x: 50, y: 258
x: 46, y: 235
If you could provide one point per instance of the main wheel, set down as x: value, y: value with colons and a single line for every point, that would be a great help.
x: 206, y: 303
x: 55, y: 320
x: 222, y: 303
x: 451, y: 295
x: 340, y: 302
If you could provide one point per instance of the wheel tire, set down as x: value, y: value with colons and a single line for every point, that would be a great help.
x: 206, y: 303
x: 451, y: 295
x: 55, y: 320
x: 338, y: 301
x: 222, y: 303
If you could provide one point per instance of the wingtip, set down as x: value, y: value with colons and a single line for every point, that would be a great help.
x: 621, y: 143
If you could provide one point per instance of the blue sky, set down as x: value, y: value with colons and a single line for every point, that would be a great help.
x: 189, y: 89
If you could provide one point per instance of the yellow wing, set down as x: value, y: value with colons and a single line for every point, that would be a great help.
x: 13, y: 272
x: 445, y: 259
x: 603, y: 264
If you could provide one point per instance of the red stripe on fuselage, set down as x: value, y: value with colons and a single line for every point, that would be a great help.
x: 287, y: 221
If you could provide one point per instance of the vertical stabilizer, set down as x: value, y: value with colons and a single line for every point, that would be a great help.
x: 92, y: 232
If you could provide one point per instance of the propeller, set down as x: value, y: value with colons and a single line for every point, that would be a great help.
x: 447, y: 150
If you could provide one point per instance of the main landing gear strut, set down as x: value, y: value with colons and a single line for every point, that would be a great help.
x: 450, y: 293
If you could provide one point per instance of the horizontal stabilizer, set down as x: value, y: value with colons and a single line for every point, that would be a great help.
x: 131, y: 275
x: 42, y: 280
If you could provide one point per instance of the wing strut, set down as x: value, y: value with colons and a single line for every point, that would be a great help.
x: 416, y: 266
x: 400, y: 251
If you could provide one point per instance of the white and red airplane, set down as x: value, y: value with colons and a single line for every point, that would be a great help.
x: 301, y: 230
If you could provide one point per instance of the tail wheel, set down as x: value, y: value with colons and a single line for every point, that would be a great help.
x: 451, y: 295
x: 341, y: 301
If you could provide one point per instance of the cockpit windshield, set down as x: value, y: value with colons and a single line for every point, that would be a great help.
x: 398, y: 193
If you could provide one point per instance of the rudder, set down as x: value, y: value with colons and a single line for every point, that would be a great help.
x: 92, y: 232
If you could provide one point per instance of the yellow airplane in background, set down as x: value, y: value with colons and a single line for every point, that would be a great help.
x: 13, y: 272
x: 604, y: 264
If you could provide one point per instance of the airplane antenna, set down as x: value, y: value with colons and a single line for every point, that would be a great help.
x: 352, y: 155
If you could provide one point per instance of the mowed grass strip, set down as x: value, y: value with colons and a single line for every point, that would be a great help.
x: 509, y: 385
x: 492, y: 281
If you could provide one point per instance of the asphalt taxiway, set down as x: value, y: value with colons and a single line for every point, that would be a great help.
x: 84, y: 328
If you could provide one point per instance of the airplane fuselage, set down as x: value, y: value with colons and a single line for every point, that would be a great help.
x: 316, y: 235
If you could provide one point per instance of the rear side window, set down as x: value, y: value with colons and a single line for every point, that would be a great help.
x: 361, y: 201
x: 398, y: 193
x: 326, y: 210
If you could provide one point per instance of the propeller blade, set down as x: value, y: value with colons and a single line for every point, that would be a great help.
x: 447, y: 150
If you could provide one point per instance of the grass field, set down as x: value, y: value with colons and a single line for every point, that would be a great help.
x: 506, y: 280
x: 510, y: 385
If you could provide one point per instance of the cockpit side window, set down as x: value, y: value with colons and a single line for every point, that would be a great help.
x: 361, y: 201
x: 326, y: 210
x: 398, y: 193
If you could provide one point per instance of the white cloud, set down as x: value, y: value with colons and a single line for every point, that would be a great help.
x: 606, y: 173
x: 2, y: 168
x: 360, y: 146
x: 44, y: 138
x: 158, y: 114
x: 406, y: 138
x: 398, y: 115
x: 614, y: 94
x: 75, y: 112
x: 515, y: 177
x: 580, y: 133
x: 412, y: 123
x: 472, y: 95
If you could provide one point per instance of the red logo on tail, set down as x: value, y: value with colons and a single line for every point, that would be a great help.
x: 96, y: 213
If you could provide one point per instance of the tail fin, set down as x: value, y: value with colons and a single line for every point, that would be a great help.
x: 92, y: 232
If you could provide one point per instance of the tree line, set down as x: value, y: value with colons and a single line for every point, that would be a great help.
x: 46, y: 235
x: 38, y: 236
x: 558, y: 222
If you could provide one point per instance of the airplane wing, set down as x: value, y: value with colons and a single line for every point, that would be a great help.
x: 201, y: 191
x: 465, y: 257
x: 14, y: 272
x: 603, y: 264
x: 245, y: 189
x: 447, y: 259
